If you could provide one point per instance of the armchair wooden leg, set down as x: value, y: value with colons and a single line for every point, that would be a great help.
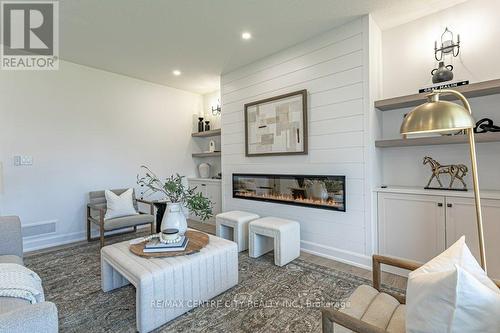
x: 102, y: 236
x: 101, y: 227
x: 88, y: 224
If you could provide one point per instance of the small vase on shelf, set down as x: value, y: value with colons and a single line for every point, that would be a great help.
x: 200, y: 124
x: 207, y: 125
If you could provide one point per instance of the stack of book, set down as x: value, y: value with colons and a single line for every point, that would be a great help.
x: 155, y: 245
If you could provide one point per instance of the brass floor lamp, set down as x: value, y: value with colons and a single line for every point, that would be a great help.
x: 443, y: 116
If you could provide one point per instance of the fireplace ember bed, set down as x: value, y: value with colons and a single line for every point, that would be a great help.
x: 316, y: 191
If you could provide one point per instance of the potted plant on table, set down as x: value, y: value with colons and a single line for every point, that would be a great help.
x: 178, y: 196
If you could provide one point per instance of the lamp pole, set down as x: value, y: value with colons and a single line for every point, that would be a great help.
x: 475, y: 180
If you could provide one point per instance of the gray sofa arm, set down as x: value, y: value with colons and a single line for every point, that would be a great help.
x: 11, y: 238
x: 40, y: 318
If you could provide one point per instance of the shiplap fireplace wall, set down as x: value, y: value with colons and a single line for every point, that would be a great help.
x: 333, y: 67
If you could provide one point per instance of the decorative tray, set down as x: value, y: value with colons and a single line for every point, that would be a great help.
x: 197, y: 241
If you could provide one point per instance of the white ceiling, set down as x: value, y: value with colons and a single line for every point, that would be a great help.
x: 148, y: 39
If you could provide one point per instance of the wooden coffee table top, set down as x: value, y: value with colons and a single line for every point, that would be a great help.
x: 197, y: 241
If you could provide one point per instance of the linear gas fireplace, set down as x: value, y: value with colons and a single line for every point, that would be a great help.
x: 325, y: 192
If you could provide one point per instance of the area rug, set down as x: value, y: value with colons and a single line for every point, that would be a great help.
x: 267, y: 299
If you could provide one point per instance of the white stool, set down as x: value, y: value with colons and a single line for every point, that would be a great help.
x: 233, y: 225
x: 272, y: 232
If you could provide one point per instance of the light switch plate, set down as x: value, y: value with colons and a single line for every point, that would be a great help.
x: 23, y: 160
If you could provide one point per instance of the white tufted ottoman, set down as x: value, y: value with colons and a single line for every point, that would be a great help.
x: 272, y: 232
x: 233, y: 225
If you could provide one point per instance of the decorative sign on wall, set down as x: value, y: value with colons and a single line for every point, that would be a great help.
x: 277, y: 125
x: 443, y: 86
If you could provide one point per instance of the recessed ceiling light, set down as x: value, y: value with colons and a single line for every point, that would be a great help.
x: 176, y: 72
x: 246, y: 35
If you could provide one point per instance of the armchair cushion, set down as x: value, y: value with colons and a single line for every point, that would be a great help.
x: 373, y: 307
x: 451, y: 293
x: 127, y: 221
x: 120, y: 205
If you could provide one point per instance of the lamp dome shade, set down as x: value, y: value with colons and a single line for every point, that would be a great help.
x: 437, y: 116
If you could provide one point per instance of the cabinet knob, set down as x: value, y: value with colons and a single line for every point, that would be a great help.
x: 440, y: 204
x: 449, y: 205
x: 203, y: 184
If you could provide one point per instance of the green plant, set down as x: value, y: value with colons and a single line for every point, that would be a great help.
x: 177, y: 192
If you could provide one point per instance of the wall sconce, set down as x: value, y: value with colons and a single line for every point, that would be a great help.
x: 447, y: 45
x: 216, y: 110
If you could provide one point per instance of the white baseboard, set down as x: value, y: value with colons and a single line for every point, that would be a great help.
x: 35, y: 243
x: 346, y: 257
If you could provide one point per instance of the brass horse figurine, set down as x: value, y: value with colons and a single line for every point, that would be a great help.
x: 456, y: 171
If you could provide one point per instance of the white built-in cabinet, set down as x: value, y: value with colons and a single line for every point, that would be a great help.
x: 210, y: 188
x: 419, y: 224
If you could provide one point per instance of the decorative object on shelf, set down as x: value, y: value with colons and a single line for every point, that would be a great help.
x: 211, y: 146
x: 204, y: 170
x: 442, y: 73
x: 443, y: 116
x: 216, y: 111
x: 207, y: 125
x: 200, y: 124
x: 179, y: 196
x: 277, y: 125
x: 456, y: 171
x: 486, y: 125
x: 448, y: 45
x: 443, y: 86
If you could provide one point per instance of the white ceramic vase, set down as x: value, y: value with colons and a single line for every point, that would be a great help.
x: 174, y: 218
x: 204, y: 169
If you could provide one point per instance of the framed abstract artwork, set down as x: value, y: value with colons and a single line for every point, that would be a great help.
x: 277, y: 125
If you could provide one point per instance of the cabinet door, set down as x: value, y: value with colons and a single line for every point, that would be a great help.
x: 215, y: 195
x: 461, y: 220
x: 411, y: 226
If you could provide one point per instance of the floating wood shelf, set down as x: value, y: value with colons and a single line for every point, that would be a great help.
x: 437, y: 140
x: 206, y: 134
x: 214, y: 154
x: 472, y: 90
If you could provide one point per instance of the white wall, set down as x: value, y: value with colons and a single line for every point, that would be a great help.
x: 86, y: 129
x: 408, y: 50
x: 407, y: 59
x: 333, y: 68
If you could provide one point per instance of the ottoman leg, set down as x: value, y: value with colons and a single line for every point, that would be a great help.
x: 287, y: 248
x: 241, y: 236
x: 110, y: 278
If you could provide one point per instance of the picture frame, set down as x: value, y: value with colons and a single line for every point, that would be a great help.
x: 277, y: 125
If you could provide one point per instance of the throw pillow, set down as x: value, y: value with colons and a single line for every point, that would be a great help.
x: 451, y: 293
x: 119, y: 205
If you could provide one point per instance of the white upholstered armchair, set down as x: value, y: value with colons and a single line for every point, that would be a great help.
x: 370, y: 310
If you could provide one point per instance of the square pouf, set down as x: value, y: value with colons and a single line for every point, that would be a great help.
x: 272, y: 232
x: 233, y: 225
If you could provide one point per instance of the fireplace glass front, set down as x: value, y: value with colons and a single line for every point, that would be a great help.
x: 325, y: 192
